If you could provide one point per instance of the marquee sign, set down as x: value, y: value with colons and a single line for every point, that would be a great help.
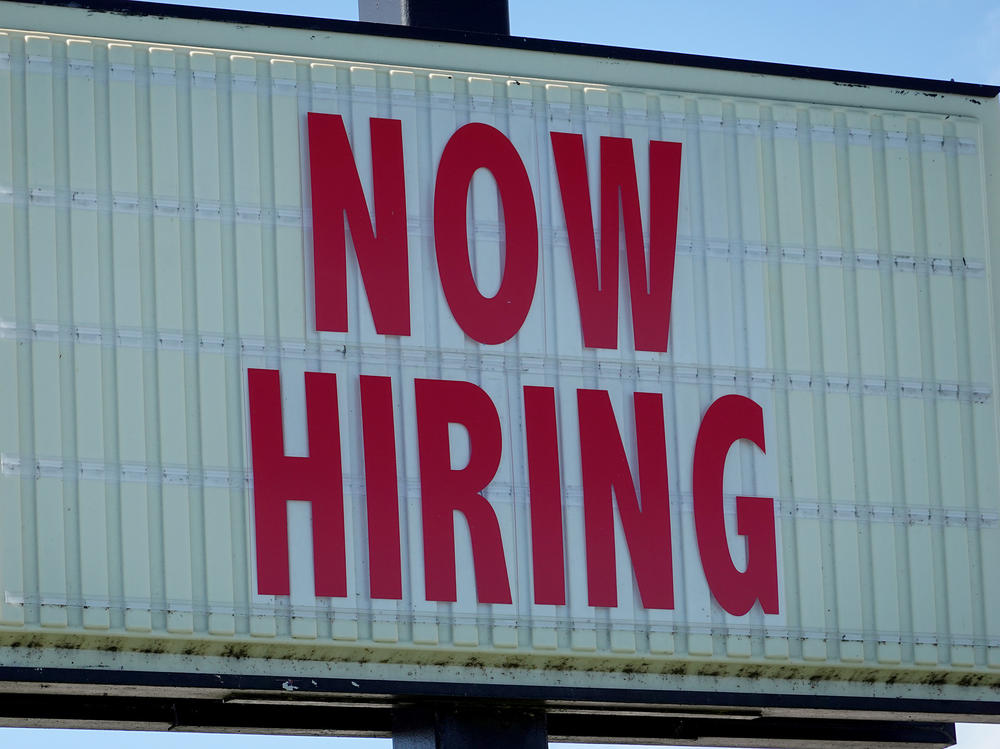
x: 345, y: 355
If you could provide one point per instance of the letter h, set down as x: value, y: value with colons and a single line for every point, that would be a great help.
x: 278, y: 478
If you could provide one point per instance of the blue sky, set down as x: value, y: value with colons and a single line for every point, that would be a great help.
x: 925, y: 38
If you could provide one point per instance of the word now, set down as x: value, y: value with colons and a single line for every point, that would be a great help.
x: 381, y: 246
x: 607, y: 481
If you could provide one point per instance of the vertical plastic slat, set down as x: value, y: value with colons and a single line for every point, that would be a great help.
x: 247, y: 193
x: 11, y: 576
x: 7, y: 128
x: 50, y: 543
x: 94, y: 539
x: 135, y: 551
x: 20, y: 565
x: 287, y: 155
x: 702, y: 610
x: 82, y: 371
x: 190, y: 179
x: 11, y: 565
x: 151, y: 240
x: 803, y: 294
x: 967, y: 141
x: 169, y: 180
x: 970, y: 618
x: 219, y: 558
x: 779, y: 644
x: 931, y: 144
x: 238, y: 492
x: 122, y: 367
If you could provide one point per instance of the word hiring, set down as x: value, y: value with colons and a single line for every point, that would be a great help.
x: 381, y: 248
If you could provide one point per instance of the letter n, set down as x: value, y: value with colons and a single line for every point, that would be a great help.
x: 336, y: 196
x: 278, y: 478
x: 607, y: 479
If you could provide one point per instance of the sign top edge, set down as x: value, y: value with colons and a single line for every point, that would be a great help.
x: 528, y: 44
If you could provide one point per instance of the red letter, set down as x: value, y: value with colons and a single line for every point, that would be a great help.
x: 606, y: 474
x: 382, y: 497
x: 732, y: 418
x: 443, y: 490
x: 278, y: 478
x: 498, y: 318
x: 597, y: 286
x: 546, y: 497
x: 336, y: 193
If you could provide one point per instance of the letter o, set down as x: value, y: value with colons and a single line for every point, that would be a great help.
x: 498, y: 318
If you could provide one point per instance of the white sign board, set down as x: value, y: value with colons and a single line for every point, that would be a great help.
x: 508, y: 366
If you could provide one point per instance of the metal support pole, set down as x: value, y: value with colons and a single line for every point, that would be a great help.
x: 481, y: 16
x: 381, y: 11
x: 452, y: 725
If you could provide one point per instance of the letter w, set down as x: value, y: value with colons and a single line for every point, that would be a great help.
x: 336, y: 196
x: 597, y: 277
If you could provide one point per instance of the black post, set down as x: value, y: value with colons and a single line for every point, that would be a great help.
x: 481, y: 16
x: 455, y: 725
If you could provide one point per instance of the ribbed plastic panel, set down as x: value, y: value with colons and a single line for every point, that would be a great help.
x: 155, y: 244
